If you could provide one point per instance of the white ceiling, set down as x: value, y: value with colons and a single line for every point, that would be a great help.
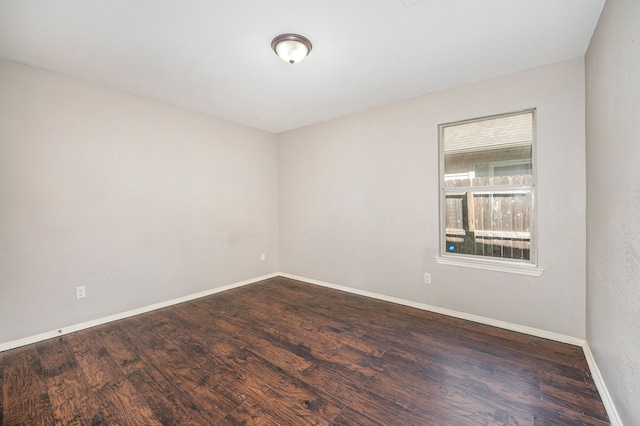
x: 214, y: 56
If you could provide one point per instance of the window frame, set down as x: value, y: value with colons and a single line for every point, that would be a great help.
x: 520, y: 266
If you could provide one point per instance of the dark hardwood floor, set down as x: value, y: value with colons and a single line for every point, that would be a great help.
x: 283, y: 352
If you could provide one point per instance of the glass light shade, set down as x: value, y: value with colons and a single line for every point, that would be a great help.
x: 291, y: 48
x: 291, y: 51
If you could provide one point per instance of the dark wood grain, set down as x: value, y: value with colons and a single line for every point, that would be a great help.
x: 25, y: 397
x: 283, y: 352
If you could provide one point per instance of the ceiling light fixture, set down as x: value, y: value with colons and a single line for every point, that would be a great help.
x: 291, y: 48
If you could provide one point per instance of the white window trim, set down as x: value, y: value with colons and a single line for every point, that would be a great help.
x: 530, y: 268
x: 521, y: 269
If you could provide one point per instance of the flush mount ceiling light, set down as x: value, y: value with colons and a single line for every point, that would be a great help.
x: 292, y: 48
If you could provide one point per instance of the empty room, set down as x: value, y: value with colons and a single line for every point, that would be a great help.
x: 380, y: 212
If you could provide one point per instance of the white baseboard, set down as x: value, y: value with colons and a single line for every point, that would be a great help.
x: 449, y: 312
x: 77, y: 327
x: 614, y: 417
x: 476, y: 318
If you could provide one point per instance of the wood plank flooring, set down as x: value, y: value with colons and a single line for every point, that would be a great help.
x: 283, y: 352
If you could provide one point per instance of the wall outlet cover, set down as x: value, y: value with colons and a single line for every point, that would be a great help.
x: 80, y: 292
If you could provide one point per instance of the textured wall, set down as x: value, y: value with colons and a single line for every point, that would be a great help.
x: 613, y: 202
x: 359, y: 201
x: 139, y: 201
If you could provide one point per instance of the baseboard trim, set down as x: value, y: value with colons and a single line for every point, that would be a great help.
x: 614, y: 417
x: 88, y: 324
x: 449, y: 312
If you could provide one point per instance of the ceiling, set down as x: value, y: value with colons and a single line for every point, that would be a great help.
x: 214, y: 56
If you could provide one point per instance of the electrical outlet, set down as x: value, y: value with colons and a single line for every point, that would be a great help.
x: 263, y: 257
x: 427, y: 278
x: 80, y: 293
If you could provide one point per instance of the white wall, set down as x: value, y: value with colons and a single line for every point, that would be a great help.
x: 139, y: 201
x: 359, y: 201
x: 613, y: 203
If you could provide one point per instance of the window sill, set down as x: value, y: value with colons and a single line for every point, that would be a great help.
x: 531, y: 271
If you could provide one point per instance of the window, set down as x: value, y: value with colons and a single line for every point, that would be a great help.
x: 487, y: 186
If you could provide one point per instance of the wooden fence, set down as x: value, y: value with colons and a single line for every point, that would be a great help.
x: 492, y: 218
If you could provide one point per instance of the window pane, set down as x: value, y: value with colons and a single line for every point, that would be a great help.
x: 496, y: 147
x: 495, y: 224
